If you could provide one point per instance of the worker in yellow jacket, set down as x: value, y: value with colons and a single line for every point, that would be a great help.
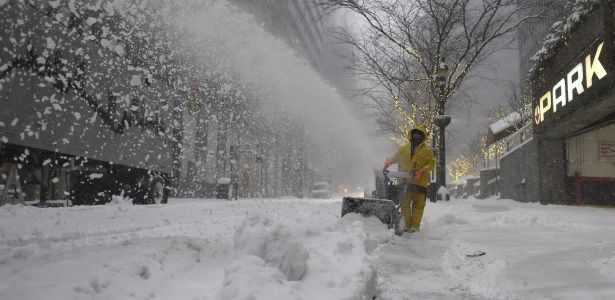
x: 416, y: 158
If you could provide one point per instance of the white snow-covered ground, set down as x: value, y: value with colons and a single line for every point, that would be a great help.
x: 188, y: 249
x: 301, y: 249
x: 532, y: 251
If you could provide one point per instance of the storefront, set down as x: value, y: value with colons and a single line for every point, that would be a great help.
x: 573, y: 94
x: 591, y: 164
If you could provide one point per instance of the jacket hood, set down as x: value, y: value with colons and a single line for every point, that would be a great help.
x: 421, y: 128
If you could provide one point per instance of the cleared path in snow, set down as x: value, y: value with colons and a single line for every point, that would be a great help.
x: 532, y: 252
x: 411, y: 268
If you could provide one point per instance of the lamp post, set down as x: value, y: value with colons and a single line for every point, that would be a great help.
x: 442, y: 120
x: 234, y: 184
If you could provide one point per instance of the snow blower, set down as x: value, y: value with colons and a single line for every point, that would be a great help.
x: 386, y: 204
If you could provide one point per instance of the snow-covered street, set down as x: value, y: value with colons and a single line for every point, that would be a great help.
x: 128, y: 126
x: 301, y: 249
x: 189, y: 249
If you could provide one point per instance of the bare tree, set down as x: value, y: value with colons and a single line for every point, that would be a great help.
x: 403, y: 44
x: 520, y: 102
x: 516, y: 102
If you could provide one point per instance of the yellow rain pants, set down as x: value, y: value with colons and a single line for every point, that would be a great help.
x: 412, y: 209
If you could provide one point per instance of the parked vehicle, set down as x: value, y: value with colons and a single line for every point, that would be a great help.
x: 320, y: 190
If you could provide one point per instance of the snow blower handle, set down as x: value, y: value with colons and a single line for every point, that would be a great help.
x: 393, y: 174
x: 386, y: 175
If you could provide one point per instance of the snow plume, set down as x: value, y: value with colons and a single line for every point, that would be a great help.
x: 292, y: 87
x: 182, y: 56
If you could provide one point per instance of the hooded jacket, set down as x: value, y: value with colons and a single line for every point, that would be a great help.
x: 422, y: 161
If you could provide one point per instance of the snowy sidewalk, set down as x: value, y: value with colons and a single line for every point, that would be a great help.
x: 301, y: 249
x: 411, y: 268
x: 531, y: 252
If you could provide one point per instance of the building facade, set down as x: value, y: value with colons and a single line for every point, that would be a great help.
x: 534, y: 30
x: 569, y: 157
x: 573, y: 91
x: 519, y: 164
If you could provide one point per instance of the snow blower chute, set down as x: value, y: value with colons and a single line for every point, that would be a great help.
x: 386, y: 201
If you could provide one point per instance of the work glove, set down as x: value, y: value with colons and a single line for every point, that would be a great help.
x: 387, y: 164
x: 418, y: 174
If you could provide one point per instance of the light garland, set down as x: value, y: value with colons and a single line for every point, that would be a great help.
x: 464, y: 166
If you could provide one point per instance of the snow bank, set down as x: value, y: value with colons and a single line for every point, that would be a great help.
x: 274, y: 244
x: 501, y: 213
x: 271, y: 261
x: 533, y: 219
x: 249, y: 277
x: 120, y: 202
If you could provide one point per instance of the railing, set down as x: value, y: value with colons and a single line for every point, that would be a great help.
x: 523, y: 134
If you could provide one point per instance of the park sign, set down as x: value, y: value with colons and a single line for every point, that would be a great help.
x: 578, y: 80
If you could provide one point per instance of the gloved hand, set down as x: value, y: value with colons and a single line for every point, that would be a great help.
x: 387, y: 164
x: 418, y: 174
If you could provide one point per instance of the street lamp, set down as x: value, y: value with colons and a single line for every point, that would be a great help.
x: 234, y: 152
x: 441, y: 120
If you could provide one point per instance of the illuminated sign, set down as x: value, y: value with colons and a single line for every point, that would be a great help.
x: 577, y: 81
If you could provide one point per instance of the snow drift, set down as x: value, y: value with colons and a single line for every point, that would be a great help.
x: 270, y: 261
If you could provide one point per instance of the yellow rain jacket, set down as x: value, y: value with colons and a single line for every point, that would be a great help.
x: 423, y: 159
